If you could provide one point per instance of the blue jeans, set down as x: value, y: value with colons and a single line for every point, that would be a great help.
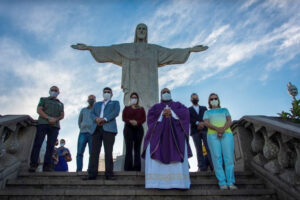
x: 83, y: 139
x: 222, y: 148
x: 198, y: 138
x: 41, y: 131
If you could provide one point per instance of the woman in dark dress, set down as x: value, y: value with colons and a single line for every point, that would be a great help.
x: 134, y: 116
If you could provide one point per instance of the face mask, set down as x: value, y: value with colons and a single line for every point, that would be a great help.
x: 166, y: 96
x: 214, y: 103
x: 106, y: 96
x: 91, y: 101
x: 62, y: 144
x: 195, y: 101
x: 53, y: 94
x: 133, y: 101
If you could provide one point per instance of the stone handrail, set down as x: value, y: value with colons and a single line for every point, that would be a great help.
x: 17, y: 134
x: 270, y: 147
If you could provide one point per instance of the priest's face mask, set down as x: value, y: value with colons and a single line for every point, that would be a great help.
x: 141, y: 32
x: 166, y: 94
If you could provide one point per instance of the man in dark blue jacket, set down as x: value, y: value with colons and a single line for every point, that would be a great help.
x: 104, y: 129
x: 199, y: 131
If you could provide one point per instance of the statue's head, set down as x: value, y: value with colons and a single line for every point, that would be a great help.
x: 141, y: 33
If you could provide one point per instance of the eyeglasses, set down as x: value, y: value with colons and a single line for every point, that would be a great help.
x: 213, y: 99
x: 54, y: 90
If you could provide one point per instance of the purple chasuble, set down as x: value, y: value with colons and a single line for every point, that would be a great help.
x: 167, y: 138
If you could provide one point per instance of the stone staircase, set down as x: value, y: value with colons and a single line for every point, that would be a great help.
x: 128, y: 185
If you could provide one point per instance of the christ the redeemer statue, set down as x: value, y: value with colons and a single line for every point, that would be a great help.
x: 140, y: 62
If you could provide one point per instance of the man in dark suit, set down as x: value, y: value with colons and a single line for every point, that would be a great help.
x: 104, y: 129
x: 198, y: 132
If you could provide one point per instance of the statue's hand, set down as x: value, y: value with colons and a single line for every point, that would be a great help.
x: 79, y: 46
x: 198, y: 48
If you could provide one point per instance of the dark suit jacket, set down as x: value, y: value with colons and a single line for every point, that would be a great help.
x: 194, y: 117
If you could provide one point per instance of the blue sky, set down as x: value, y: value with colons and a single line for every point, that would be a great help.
x: 253, y: 53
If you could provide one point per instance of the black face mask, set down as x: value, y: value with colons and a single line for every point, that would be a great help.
x: 91, y: 101
x: 195, y: 101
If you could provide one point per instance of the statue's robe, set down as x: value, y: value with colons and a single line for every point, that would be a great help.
x: 140, y: 62
x: 166, y: 147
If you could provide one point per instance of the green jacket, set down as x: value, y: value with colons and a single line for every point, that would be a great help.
x: 52, y: 107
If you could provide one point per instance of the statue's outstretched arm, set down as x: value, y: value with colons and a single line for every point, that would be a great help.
x: 198, y: 48
x: 80, y: 46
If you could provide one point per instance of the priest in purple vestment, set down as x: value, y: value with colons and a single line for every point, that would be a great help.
x: 166, y: 147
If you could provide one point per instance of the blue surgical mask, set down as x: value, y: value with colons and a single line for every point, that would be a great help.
x: 166, y: 96
x: 214, y: 103
x: 106, y: 96
x: 133, y: 101
x: 53, y: 94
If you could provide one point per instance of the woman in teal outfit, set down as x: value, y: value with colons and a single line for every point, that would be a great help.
x: 220, y: 142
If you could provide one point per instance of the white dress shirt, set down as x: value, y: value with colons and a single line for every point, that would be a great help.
x: 102, y: 109
x: 197, y: 109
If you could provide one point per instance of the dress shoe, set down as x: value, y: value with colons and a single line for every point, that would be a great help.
x: 32, y: 169
x: 48, y: 169
x: 110, y: 178
x: 89, y: 178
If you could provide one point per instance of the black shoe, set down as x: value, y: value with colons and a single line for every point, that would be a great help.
x: 110, y: 178
x: 48, y: 170
x: 89, y: 178
x: 31, y: 169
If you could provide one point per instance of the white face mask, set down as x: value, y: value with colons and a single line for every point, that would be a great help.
x: 133, y: 101
x: 62, y: 144
x: 166, y: 96
x: 53, y: 94
x: 106, y: 96
x: 214, y: 103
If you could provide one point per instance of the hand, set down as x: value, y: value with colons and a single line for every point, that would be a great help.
x: 220, y: 132
x: 133, y: 122
x: 52, y: 120
x: 200, y: 126
x: 80, y: 46
x: 167, y: 113
x: 198, y: 48
x: 100, y: 121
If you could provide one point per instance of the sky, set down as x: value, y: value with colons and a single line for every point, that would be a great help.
x: 253, y: 53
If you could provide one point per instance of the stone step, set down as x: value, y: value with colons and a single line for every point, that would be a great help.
x: 203, y: 183
x: 76, y: 194
x: 119, y: 175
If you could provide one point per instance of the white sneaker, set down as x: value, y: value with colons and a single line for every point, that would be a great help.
x: 223, y: 187
x: 233, y: 187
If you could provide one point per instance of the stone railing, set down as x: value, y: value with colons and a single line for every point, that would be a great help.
x: 270, y: 147
x: 17, y: 134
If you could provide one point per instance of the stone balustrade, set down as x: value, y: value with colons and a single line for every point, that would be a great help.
x: 270, y: 147
x: 17, y: 134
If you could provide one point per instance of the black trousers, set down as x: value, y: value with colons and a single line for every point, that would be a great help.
x: 133, y: 139
x: 41, y: 131
x: 108, y: 139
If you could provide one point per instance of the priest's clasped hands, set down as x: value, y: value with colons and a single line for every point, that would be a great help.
x: 167, y: 112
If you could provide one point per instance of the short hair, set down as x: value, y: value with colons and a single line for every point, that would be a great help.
x: 107, y: 88
x: 209, y: 104
x: 54, y: 86
x: 194, y: 94
x: 91, y: 95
